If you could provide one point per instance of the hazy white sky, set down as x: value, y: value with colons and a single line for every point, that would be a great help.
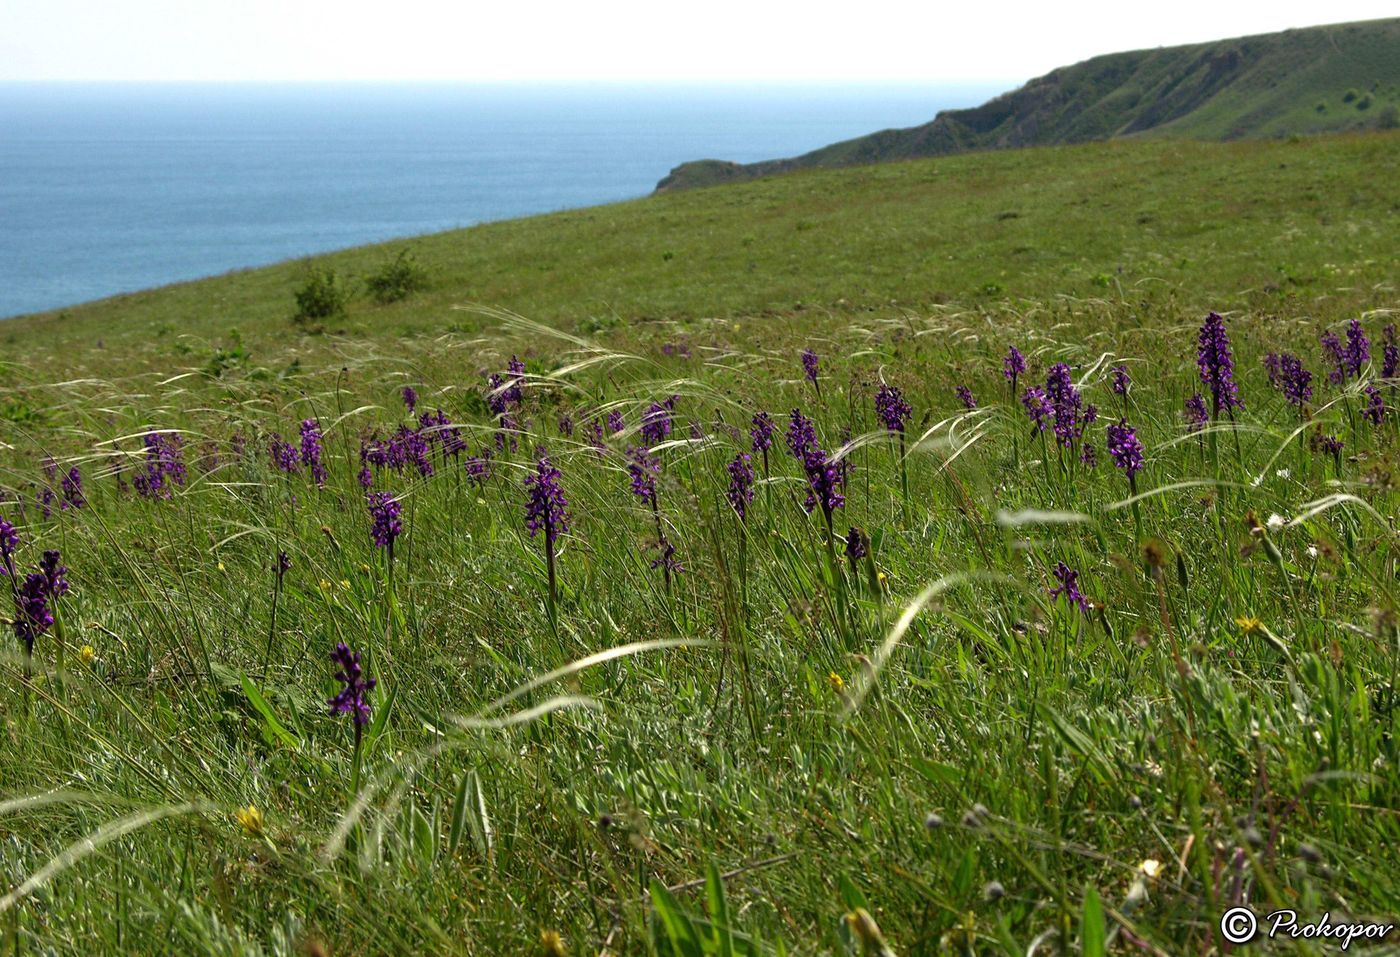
x: 611, y: 40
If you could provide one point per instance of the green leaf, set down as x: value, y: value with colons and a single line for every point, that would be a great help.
x: 962, y: 877
x: 721, y: 934
x: 459, y: 815
x: 1078, y: 742
x: 851, y: 894
x: 935, y: 772
x: 685, y: 940
x: 273, y: 729
x: 1091, y: 931
x: 469, y: 814
x: 381, y: 716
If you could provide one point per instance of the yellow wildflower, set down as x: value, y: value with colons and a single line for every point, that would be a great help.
x: 837, y: 682
x: 1248, y: 624
x: 325, y: 585
x: 221, y: 566
x: 86, y: 654
x: 551, y: 944
x: 345, y: 583
x: 864, y: 929
x: 250, y: 819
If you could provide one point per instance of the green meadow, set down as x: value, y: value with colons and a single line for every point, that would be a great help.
x: 950, y: 667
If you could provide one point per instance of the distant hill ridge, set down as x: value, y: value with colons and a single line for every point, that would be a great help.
x: 1312, y: 80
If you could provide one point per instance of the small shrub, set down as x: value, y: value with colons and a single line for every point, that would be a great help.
x: 1364, y: 103
x: 233, y: 356
x: 397, y: 280
x: 322, y: 296
x: 1350, y: 95
x: 596, y: 324
x: 1321, y: 106
x: 15, y: 409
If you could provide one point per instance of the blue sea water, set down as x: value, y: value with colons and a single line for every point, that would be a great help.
x: 111, y: 188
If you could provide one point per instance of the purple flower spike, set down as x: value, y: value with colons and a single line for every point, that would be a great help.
x: 55, y: 575
x: 410, y: 398
x: 825, y: 478
x: 1330, y: 444
x: 615, y: 422
x: 809, y: 365
x: 1333, y: 347
x: 593, y: 434
x: 643, y: 467
x: 32, y: 614
x: 1358, y: 351
x: 1069, y: 586
x: 1119, y: 380
x: 285, y: 457
x: 311, y: 451
x: 666, y: 559
x: 857, y: 545
x: 353, y: 697
x: 496, y: 399
x: 891, y: 408
x: 1216, y: 365
x: 1037, y: 406
x: 9, y: 541
x: 1124, y: 448
x: 164, y: 466
x: 965, y: 397
x: 740, y: 491
x: 801, y: 434
x: 566, y: 425
x: 34, y: 599
x: 1294, y: 381
x: 762, y: 432
x: 71, y: 485
x: 284, y: 565
x: 385, y: 526
x: 1065, y: 402
x: 1374, y: 410
x: 1195, y: 413
x: 1272, y: 365
x: 515, y: 370
x: 1390, y: 353
x: 478, y: 466
x: 1012, y: 366
x: 546, y: 508
x: 656, y: 423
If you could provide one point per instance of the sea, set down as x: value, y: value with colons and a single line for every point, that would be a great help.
x: 110, y: 188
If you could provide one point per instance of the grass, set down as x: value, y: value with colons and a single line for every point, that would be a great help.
x: 773, y: 750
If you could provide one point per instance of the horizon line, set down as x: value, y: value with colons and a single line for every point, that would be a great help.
x: 559, y: 81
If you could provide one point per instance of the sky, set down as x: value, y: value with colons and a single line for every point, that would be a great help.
x: 735, y: 41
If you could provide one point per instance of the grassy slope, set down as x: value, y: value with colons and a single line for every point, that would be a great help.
x: 1155, y: 728
x: 1260, y: 86
x: 1235, y: 224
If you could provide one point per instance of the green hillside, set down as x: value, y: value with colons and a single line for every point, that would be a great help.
x: 1314, y: 80
x: 904, y: 559
x: 1268, y: 224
